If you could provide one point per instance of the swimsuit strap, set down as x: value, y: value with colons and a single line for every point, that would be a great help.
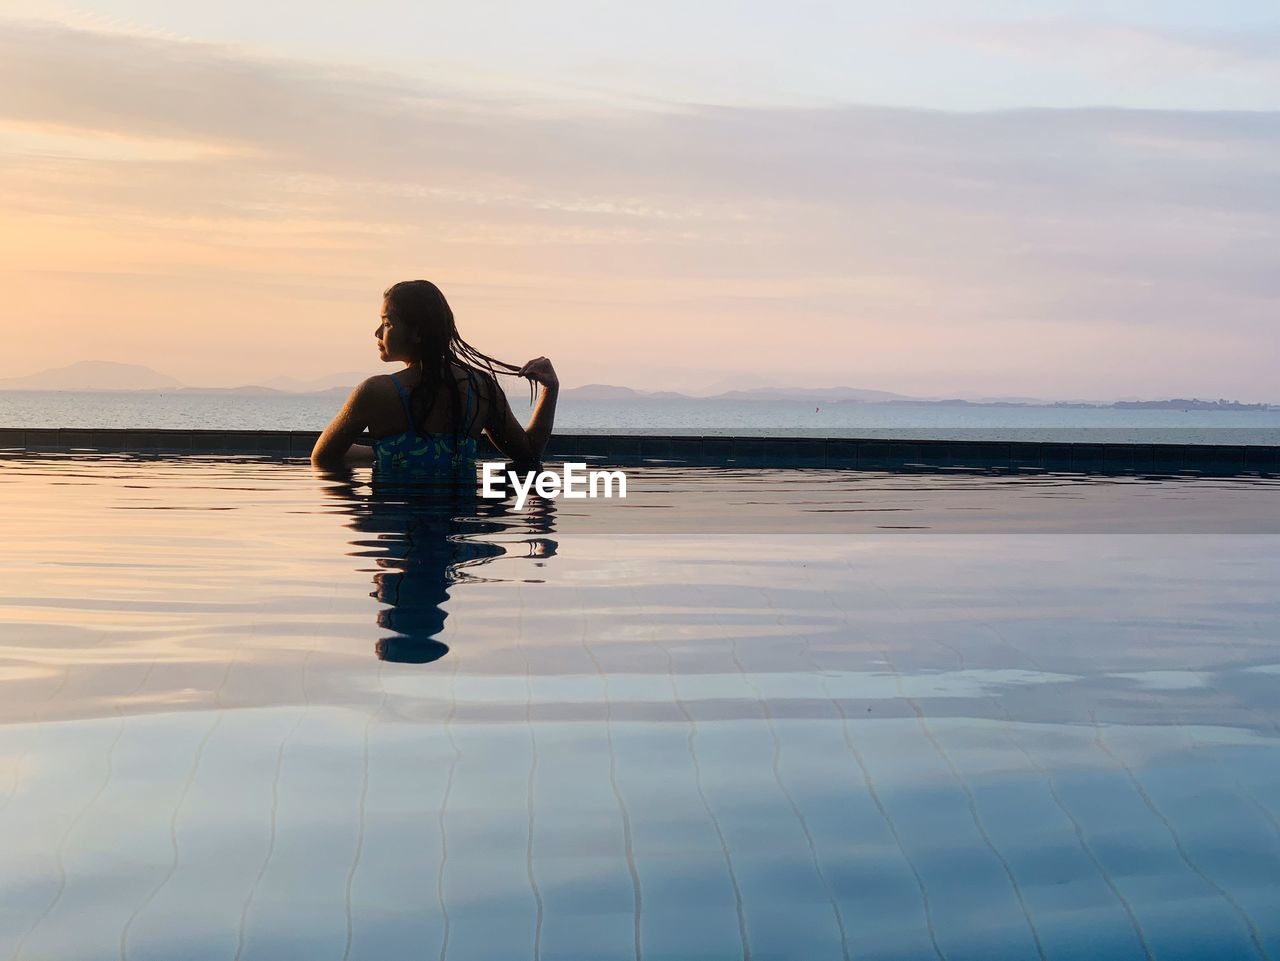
x: 404, y: 400
x: 466, y: 417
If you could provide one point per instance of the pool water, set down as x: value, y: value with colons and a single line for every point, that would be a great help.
x: 251, y: 712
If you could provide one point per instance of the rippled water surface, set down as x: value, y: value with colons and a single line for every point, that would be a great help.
x: 249, y: 712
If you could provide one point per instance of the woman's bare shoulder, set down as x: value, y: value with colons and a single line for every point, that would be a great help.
x: 375, y: 394
x: 382, y: 385
x: 378, y: 382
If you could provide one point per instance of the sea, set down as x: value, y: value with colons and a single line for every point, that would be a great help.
x: 187, y: 410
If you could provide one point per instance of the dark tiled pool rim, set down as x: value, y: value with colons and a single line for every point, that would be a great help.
x: 719, y: 451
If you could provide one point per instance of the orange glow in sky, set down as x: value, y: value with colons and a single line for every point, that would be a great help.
x: 230, y: 212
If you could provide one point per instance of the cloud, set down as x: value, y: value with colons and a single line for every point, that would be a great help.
x: 1122, y: 46
x: 307, y: 119
x: 867, y: 227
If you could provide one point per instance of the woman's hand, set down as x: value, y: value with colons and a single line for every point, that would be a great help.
x: 526, y: 444
x: 540, y: 371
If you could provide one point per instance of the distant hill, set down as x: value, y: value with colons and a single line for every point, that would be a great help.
x: 93, y: 375
x: 1007, y: 400
x: 821, y: 395
x: 101, y: 375
x: 1182, y: 403
x: 737, y: 382
x: 602, y: 392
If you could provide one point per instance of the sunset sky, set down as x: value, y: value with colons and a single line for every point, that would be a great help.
x: 1051, y: 199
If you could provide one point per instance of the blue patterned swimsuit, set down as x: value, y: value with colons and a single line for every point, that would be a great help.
x: 426, y: 453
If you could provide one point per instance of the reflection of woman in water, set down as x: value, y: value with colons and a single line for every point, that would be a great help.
x: 426, y: 538
x: 428, y: 417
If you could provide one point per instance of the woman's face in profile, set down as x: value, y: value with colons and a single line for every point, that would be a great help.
x: 393, y: 337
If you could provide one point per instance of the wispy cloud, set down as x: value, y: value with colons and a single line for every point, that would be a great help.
x: 1121, y: 45
x: 1007, y: 244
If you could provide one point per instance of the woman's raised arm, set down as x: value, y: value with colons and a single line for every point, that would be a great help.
x: 525, y: 445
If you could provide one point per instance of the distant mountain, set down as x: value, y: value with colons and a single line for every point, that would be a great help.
x: 737, y: 382
x: 1183, y: 403
x: 93, y: 375
x: 820, y: 395
x: 827, y: 395
x: 603, y: 392
x: 101, y: 375
x: 1007, y: 400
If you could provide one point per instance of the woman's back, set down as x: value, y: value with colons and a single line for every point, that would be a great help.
x: 441, y: 440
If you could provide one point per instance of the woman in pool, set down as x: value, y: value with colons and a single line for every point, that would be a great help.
x: 428, y: 416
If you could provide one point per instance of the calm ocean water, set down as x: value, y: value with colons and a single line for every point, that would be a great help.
x: 313, y: 412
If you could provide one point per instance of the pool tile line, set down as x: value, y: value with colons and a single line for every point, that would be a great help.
x: 1076, y: 827
x: 699, y: 784
x: 874, y: 794
x: 1082, y: 840
x: 449, y: 719
x: 1255, y: 935
x: 971, y: 802
x: 60, y: 848
x: 1245, y: 792
x: 627, y: 836
x: 362, y: 809
x: 37, y: 715
x: 275, y: 802
x: 1141, y: 791
x: 533, y: 774
x: 960, y: 782
x: 777, y: 777
x: 872, y: 791
x: 177, y: 809
x: 1266, y: 812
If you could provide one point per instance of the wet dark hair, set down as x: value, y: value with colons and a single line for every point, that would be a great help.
x: 421, y: 306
